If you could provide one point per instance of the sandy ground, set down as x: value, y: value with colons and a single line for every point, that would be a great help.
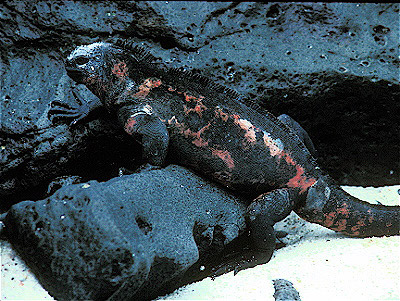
x: 321, y: 264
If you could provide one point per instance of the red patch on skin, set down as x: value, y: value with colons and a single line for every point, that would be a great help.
x: 361, y: 223
x: 129, y: 125
x: 225, y: 156
x: 199, y: 107
x: 190, y: 98
x: 358, y: 226
x: 344, y: 210
x: 120, y: 70
x: 300, y: 180
x: 329, y: 219
x: 371, y: 216
x: 145, y: 88
x: 220, y: 114
x: 333, y: 222
x: 341, y: 225
x: 244, y: 124
x: 354, y: 230
x: 198, y: 140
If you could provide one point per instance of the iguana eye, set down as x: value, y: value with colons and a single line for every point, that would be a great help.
x: 81, y: 60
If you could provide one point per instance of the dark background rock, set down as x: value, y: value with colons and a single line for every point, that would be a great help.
x: 31, y: 160
x: 139, y: 233
x: 332, y: 66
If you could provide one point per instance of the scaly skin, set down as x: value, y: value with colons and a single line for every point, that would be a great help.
x: 205, y: 126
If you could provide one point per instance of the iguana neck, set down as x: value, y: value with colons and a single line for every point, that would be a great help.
x: 120, y: 94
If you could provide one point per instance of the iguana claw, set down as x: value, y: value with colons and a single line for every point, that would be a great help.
x: 61, y: 110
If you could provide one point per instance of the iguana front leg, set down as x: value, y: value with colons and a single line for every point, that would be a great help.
x: 60, y: 110
x: 141, y: 119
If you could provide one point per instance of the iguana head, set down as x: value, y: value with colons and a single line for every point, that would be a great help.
x: 98, y: 66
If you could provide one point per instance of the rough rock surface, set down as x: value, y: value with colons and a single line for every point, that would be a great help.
x: 331, y: 66
x: 34, y: 158
x: 125, y: 238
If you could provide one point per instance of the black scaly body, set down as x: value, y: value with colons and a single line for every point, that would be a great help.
x: 206, y: 127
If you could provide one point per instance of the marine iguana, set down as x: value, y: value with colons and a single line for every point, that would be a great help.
x: 206, y: 126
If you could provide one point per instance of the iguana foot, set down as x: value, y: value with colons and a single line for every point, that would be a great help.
x: 241, y: 261
x: 60, y: 110
x: 279, y: 235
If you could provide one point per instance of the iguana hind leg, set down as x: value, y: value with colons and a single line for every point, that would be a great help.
x: 266, y: 210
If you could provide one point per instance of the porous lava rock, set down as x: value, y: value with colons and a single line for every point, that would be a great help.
x: 127, y: 238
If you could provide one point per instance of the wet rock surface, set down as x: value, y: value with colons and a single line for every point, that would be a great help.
x: 126, y: 238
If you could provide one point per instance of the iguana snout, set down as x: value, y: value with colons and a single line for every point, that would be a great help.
x: 86, y: 63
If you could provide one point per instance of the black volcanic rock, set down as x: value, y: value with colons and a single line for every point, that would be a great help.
x: 127, y: 237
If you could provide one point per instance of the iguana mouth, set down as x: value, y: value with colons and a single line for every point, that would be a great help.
x: 75, y: 73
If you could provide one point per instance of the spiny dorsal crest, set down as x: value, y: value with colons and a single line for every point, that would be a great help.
x: 200, y: 83
x: 138, y: 52
x: 185, y: 78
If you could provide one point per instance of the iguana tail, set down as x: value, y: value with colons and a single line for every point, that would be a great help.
x: 330, y: 206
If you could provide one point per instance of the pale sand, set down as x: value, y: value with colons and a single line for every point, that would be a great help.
x: 321, y: 264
